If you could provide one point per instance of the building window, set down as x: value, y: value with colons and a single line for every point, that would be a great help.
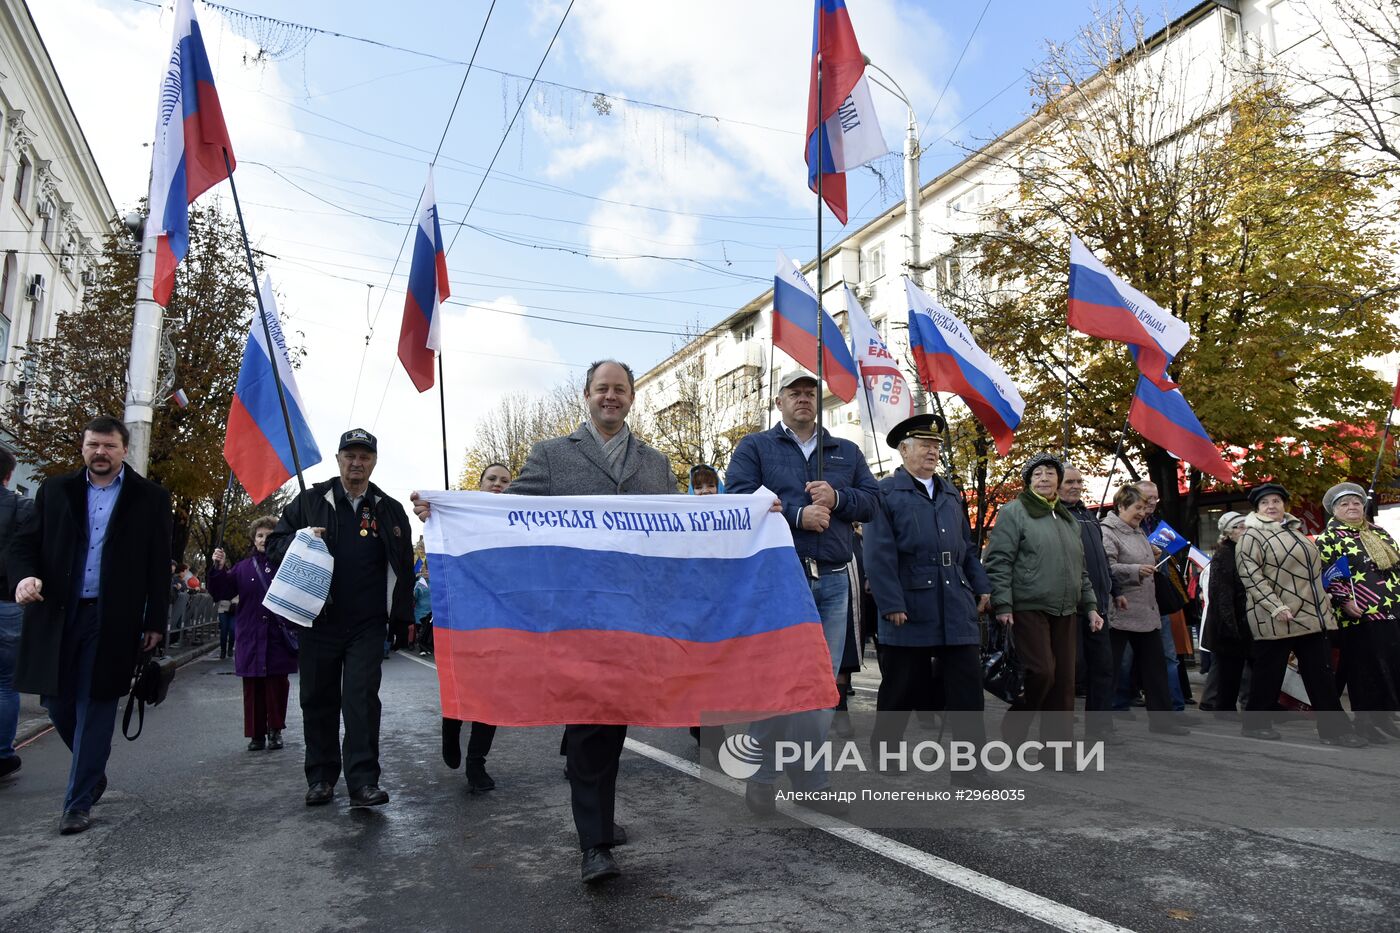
x: 743, y: 334
x: 949, y: 273
x: 735, y: 386
x: 48, y: 221
x: 675, y: 417
x: 966, y: 203
x: 872, y: 263
x: 1231, y: 35
x: 22, y: 178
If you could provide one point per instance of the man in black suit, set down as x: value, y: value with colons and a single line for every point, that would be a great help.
x: 93, y: 565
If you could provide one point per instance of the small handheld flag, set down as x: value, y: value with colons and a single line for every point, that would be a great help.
x: 187, y: 157
x: 1103, y: 305
x: 1339, y: 571
x: 420, y: 334
x: 1168, y: 539
x: 795, y: 331
x: 949, y: 360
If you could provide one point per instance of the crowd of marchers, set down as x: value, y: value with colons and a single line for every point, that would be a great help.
x: 1087, y: 603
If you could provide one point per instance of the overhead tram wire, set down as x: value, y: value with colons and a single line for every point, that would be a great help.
x: 492, y: 164
x: 408, y: 229
x: 928, y: 121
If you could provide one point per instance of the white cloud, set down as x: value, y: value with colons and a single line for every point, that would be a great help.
x: 745, y: 61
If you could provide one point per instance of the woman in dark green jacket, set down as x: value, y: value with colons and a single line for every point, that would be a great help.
x: 1035, y: 562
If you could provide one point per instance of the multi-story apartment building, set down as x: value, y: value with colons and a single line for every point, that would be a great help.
x: 1203, y: 51
x: 54, y: 205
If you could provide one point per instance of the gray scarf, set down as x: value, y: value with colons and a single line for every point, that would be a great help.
x: 614, y: 450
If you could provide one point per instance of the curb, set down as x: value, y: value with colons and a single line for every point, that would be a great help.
x: 31, y: 728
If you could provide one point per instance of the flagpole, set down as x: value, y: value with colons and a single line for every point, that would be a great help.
x: 223, y: 510
x: 273, y: 351
x: 821, y: 315
x: 1117, y: 453
x: 1380, y: 454
x: 442, y: 408
x: 870, y: 411
x: 1067, y: 379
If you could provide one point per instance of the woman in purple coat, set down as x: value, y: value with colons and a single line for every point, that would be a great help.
x: 265, y: 647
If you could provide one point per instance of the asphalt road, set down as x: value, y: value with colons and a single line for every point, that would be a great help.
x: 197, y: 834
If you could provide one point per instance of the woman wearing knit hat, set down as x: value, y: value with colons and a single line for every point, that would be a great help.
x: 1367, y: 608
x: 1035, y: 562
x: 1226, y: 628
x: 1288, y: 610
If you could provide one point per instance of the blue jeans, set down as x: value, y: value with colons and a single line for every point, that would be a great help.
x: 11, y: 615
x: 1122, y: 696
x: 84, y: 724
x: 225, y: 633
x: 831, y: 592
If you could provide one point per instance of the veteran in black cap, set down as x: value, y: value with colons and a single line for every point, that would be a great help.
x: 929, y: 587
x: 368, y: 534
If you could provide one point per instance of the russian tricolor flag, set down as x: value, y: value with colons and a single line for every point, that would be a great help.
x: 420, y: 334
x: 1165, y: 419
x: 626, y: 610
x: 842, y: 130
x: 187, y: 158
x: 949, y: 360
x: 1103, y: 305
x: 256, y: 445
x: 795, y: 331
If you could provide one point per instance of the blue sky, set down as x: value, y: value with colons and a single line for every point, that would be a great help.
x: 334, y: 136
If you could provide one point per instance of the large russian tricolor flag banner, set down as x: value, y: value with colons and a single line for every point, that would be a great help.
x: 1103, y: 305
x: 795, y: 331
x: 1165, y: 419
x: 623, y: 610
x: 256, y: 445
x: 949, y: 360
x: 187, y: 158
x: 842, y: 130
x: 420, y: 334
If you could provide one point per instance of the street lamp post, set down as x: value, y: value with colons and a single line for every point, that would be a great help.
x: 912, y: 263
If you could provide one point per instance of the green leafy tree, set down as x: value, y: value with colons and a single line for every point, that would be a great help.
x: 80, y: 372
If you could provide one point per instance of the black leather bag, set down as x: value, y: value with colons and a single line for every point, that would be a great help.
x: 1002, y: 676
x: 149, y: 686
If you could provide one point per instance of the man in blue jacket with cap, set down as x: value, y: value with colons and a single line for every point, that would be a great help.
x: 784, y: 460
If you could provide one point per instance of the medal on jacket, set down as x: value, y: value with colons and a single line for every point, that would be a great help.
x: 368, y: 523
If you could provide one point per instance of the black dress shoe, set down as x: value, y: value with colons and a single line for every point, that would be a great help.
x: 619, y: 835
x: 257, y: 743
x: 1345, y: 740
x: 74, y: 821
x: 1268, y: 735
x: 974, y: 779
x: 1371, y: 734
x: 274, y: 740
x: 9, y: 765
x: 452, y: 742
x: 759, y: 798
x: 368, y: 796
x: 598, y: 865
x: 478, y: 781
x: 319, y: 793
x: 1169, y: 729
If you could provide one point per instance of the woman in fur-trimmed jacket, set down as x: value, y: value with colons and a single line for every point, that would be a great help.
x: 1287, y: 607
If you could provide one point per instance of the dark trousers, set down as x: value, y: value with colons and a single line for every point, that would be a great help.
x: 1366, y: 658
x: 340, y: 670
x: 1224, y: 681
x: 226, y: 632
x: 84, y: 724
x: 265, y: 704
x: 1045, y: 646
x: 1149, y: 665
x: 907, y: 678
x: 593, y: 752
x: 1269, y: 660
x: 479, y: 742
x: 1100, y: 664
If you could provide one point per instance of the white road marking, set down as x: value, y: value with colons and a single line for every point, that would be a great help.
x: 1053, y: 913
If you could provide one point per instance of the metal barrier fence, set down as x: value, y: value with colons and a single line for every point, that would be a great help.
x: 193, y: 618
